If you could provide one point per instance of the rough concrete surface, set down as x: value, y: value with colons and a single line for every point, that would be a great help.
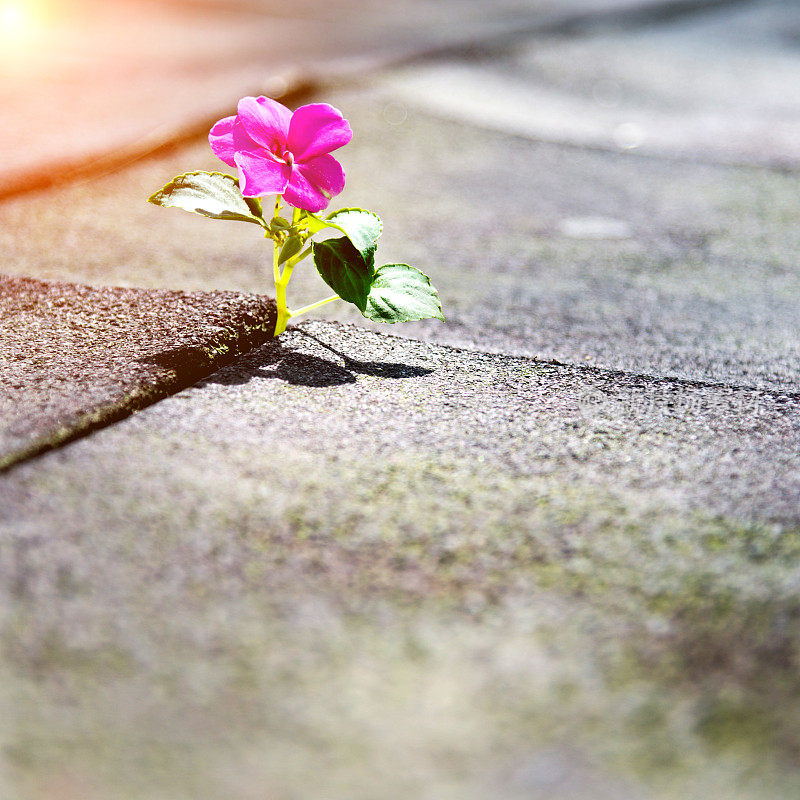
x: 75, y: 357
x: 355, y: 566
x: 352, y: 565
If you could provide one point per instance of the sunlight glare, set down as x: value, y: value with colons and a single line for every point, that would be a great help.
x: 17, y: 25
x: 14, y: 19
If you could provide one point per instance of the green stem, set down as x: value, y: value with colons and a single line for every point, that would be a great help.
x: 311, y: 307
x: 281, y: 282
x: 283, y: 276
x: 299, y: 257
x: 276, y: 269
x: 284, y: 315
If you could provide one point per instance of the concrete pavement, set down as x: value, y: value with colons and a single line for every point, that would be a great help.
x: 353, y: 565
x: 75, y: 358
x: 363, y: 566
x: 688, y: 270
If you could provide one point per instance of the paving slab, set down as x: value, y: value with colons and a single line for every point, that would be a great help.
x: 73, y: 358
x: 351, y: 565
x: 360, y: 566
x: 117, y: 79
x: 715, y: 86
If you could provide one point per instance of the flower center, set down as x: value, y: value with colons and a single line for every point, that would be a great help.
x: 288, y: 157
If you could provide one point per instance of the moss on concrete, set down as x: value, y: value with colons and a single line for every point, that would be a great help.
x: 305, y: 564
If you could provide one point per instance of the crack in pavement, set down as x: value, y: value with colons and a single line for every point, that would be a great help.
x: 76, y: 358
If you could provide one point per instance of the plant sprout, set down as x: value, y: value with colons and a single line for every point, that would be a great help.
x: 288, y: 155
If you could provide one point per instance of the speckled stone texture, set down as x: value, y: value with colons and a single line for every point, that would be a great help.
x: 75, y: 357
x: 547, y: 550
x: 359, y: 566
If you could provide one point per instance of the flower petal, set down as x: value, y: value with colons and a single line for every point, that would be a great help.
x: 221, y: 140
x: 313, y: 183
x: 316, y: 129
x: 324, y: 172
x: 265, y: 121
x: 228, y: 137
x: 259, y: 175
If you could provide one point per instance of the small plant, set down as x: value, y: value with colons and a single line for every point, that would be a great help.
x: 277, y: 152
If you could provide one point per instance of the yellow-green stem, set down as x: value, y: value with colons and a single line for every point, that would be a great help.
x: 281, y: 282
x: 284, y: 315
x: 312, y: 306
x: 282, y: 277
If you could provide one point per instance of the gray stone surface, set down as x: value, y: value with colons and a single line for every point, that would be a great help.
x: 719, y: 86
x: 359, y: 566
x: 350, y: 565
x: 73, y: 358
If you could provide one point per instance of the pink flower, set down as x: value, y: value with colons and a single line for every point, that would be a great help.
x: 278, y: 152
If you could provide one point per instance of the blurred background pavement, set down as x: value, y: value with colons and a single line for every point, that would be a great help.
x: 79, y: 78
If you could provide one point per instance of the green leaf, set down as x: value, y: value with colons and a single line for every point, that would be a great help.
x: 212, y: 194
x: 253, y: 203
x: 291, y: 247
x: 344, y: 269
x: 363, y: 228
x: 279, y: 224
x: 315, y: 223
x: 400, y: 293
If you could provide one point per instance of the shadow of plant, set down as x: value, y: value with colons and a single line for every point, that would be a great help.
x: 275, y: 360
x: 379, y: 369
